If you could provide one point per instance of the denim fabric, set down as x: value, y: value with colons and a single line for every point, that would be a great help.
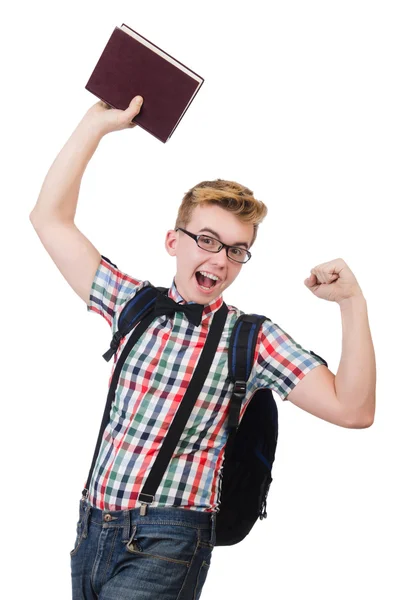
x: 121, y: 555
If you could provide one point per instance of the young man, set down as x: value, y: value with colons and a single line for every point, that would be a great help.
x: 164, y: 551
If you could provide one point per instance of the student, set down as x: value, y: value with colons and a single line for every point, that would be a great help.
x: 121, y: 553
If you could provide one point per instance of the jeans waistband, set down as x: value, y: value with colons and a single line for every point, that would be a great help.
x: 127, y: 519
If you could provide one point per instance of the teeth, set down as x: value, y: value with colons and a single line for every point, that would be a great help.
x: 210, y: 275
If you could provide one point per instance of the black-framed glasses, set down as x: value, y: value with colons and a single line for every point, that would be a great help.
x: 206, y: 242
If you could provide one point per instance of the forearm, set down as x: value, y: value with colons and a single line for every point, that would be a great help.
x: 355, y: 381
x: 60, y: 190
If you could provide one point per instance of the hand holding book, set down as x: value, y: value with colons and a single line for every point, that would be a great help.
x: 108, y: 119
x: 129, y: 65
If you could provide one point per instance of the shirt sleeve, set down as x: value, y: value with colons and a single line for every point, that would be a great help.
x: 110, y: 289
x: 281, y: 361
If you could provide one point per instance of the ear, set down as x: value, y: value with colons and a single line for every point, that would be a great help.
x: 171, y: 242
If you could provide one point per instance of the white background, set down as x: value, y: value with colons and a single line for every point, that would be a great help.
x: 299, y: 104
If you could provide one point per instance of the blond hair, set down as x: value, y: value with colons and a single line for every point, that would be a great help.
x: 229, y: 195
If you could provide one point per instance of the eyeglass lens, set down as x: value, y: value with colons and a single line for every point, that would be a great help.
x: 234, y: 252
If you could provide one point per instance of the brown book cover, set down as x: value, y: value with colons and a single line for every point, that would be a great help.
x: 131, y: 65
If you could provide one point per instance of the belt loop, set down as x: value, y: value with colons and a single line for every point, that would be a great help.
x: 126, y: 525
x: 86, y: 518
x: 213, y: 527
x: 81, y: 511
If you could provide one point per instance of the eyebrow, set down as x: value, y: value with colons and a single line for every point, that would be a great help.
x: 217, y: 236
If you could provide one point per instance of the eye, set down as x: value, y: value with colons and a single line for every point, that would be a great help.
x: 207, y: 241
x: 237, y: 251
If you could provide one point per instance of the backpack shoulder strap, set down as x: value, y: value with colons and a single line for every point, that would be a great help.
x: 135, y: 310
x: 240, y: 358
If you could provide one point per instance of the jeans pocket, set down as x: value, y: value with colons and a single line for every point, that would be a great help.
x: 170, y: 543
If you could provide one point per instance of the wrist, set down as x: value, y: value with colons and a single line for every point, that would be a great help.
x: 356, y: 301
x: 91, y: 128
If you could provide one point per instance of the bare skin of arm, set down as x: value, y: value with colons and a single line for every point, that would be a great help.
x: 54, y: 213
x: 349, y: 397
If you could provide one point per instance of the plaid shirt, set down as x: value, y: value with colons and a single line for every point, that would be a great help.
x: 151, y: 386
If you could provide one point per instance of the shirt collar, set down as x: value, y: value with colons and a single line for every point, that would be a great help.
x: 208, y: 310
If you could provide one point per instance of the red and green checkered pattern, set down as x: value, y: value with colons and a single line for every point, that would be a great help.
x: 151, y: 386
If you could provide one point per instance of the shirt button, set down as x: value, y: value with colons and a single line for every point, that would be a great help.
x: 107, y: 518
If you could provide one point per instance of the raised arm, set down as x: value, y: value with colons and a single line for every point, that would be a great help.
x: 349, y: 397
x: 54, y: 213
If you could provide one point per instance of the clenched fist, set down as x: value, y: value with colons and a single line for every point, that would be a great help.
x: 333, y: 281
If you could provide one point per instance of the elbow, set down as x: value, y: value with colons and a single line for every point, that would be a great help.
x: 361, y: 420
x: 36, y: 219
x: 362, y: 423
x: 32, y: 217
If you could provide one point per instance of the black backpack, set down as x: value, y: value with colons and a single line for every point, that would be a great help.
x: 250, y: 449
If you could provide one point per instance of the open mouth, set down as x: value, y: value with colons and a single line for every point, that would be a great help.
x: 206, y: 281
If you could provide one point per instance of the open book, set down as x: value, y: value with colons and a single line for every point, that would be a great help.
x: 130, y: 65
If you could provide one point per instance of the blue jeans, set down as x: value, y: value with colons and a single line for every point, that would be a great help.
x: 121, y: 555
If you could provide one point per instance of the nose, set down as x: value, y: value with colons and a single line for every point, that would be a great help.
x: 219, y: 258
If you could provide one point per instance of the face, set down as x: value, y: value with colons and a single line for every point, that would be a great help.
x: 193, y: 261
